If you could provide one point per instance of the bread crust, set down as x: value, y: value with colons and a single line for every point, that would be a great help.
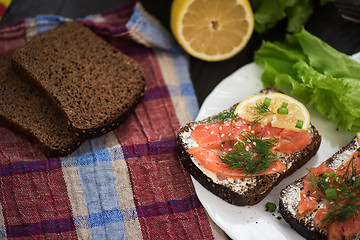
x: 259, y: 186
x: 287, y: 204
x: 49, y: 151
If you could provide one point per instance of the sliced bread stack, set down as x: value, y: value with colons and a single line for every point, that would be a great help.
x: 26, y: 112
x: 78, y: 86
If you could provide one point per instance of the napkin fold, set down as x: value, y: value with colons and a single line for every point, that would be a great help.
x: 127, y: 184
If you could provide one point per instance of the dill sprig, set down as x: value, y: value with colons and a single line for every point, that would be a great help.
x: 347, y: 204
x: 347, y: 177
x: 232, y: 116
x: 262, y: 110
x: 344, y: 208
x: 252, y: 156
x: 317, y: 181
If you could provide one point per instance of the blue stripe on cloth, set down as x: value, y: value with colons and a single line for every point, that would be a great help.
x: 22, y: 167
x: 105, y: 217
x: 2, y: 232
x: 69, y: 162
x: 97, y: 178
x: 148, y: 26
x: 48, y: 22
x: 81, y: 222
x: 130, y: 214
x: 155, y: 93
x: 149, y: 149
x: 174, y: 90
x: 111, y: 216
x: 170, y: 207
x: 103, y: 223
x: 181, y: 64
x: 87, y: 159
x: 185, y: 89
x: 39, y: 228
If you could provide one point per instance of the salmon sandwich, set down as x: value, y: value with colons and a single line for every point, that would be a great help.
x: 325, y: 204
x: 242, y: 153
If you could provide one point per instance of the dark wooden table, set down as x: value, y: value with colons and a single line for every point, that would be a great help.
x: 326, y: 23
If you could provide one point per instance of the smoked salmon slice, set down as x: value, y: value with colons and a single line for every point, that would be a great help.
x: 211, y: 161
x: 216, y: 139
x: 207, y: 135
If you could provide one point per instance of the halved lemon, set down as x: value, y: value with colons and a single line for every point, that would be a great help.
x: 212, y: 30
x: 278, y: 109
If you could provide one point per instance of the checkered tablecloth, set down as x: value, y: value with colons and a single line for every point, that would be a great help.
x: 128, y: 184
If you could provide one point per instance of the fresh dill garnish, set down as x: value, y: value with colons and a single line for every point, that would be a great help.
x: 262, y: 110
x: 346, y: 176
x: 252, y: 156
x: 344, y: 208
x: 317, y: 181
x: 232, y: 116
x: 347, y: 203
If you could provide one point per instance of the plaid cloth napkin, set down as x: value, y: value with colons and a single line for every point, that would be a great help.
x: 128, y: 184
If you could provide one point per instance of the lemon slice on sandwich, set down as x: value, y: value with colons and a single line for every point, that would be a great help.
x: 280, y: 110
x: 212, y: 30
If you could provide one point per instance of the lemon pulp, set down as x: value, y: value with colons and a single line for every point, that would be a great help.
x: 212, y: 30
x: 296, y: 111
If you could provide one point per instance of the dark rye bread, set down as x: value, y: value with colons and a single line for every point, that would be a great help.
x: 251, y: 190
x: 26, y: 112
x: 94, y: 84
x: 290, y: 197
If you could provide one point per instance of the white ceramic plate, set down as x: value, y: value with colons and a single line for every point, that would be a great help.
x: 254, y: 223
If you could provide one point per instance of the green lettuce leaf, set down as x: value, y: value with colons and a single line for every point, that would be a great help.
x: 268, y: 13
x: 315, y: 73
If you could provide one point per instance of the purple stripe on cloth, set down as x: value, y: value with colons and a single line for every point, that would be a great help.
x: 131, y: 49
x: 29, y: 167
x: 156, y: 93
x: 12, y: 35
x: 113, y: 22
x: 40, y: 228
x: 152, y: 148
x: 170, y: 207
x: 121, y: 29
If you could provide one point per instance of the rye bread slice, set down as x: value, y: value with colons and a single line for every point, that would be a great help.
x: 245, y: 191
x: 95, y: 85
x: 26, y: 112
x: 290, y: 197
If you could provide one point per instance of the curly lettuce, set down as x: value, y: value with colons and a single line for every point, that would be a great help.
x: 268, y: 13
x: 314, y: 72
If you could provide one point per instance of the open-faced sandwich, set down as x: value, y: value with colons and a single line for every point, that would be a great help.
x: 325, y: 204
x: 241, y: 153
